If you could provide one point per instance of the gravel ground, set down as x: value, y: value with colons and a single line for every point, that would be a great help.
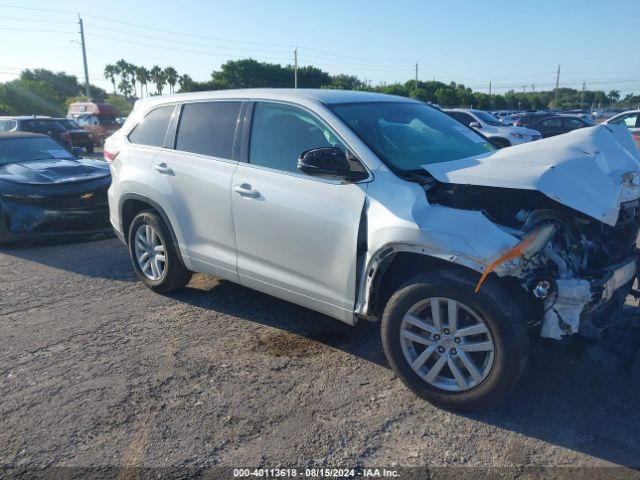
x: 96, y: 370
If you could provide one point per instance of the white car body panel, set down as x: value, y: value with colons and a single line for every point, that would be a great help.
x: 582, y: 169
x: 195, y: 191
x: 315, y: 266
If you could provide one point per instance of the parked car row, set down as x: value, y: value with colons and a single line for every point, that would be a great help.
x: 63, y: 130
x: 501, y: 134
x: 87, y: 124
x: 360, y: 206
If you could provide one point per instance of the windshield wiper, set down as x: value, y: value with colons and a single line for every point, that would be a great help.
x: 419, y: 175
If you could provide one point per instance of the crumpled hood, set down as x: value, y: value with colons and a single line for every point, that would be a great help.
x: 586, y: 169
x: 54, y: 171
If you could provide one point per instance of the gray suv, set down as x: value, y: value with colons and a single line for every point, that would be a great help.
x: 372, y: 207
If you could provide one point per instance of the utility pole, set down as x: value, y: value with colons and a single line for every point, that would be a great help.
x: 533, y: 87
x: 557, y: 87
x: 295, y: 71
x: 584, y: 85
x: 524, y: 89
x: 416, y: 76
x: 87, y: 87
x: 489, y: 89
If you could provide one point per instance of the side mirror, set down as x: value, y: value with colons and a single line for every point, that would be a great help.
x: 475, y: 125
x: 328, y: 162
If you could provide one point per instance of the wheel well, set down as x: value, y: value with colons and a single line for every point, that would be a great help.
x: 130, y: 208
x: 394, y: 272
x: 404, y: 265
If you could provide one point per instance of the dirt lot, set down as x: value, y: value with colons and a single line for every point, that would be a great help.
x: 96, y: 370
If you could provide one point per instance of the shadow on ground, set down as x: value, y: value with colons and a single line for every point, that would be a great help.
x: 99, y: 256
x: 563, y: 398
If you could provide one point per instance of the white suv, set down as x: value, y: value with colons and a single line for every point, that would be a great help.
x: 368, y: 206
x: 503, y: 135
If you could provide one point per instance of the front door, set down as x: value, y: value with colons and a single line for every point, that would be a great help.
x: 296, y: 235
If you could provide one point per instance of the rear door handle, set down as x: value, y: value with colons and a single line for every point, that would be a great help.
x: 163, y: 168
x: 246, y: 190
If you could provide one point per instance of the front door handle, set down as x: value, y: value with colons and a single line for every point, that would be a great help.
x: 163, y: 168
x: 246, y: 190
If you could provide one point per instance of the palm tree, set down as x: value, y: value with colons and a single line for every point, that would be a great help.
x: 171, y: 76
x: 157, y: 77
x: 614, y: 96
x: 131, y: 70
x: 144, y: 78
x: 125, y: 87
x: 123, y: 69
x: 185, y: 82
x: 110, y: 72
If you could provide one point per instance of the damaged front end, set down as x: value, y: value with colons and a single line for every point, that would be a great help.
x: 577, y: 257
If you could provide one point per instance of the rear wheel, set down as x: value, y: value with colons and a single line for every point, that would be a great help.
x: 153, y: 254
x: 457, y: 349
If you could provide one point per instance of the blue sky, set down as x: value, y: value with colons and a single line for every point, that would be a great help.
x: 511, y: 44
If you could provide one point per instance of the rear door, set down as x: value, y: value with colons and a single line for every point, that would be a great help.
x: 296, y: 235
x: 193, y: 177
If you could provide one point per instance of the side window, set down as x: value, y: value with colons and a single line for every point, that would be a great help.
x: 573, y: 123
x: 280, y: 133
x: 152, y: 129
x: 632, y: 120
x: 554, y: 122
x: 208, y: 128
x: 464, y: 118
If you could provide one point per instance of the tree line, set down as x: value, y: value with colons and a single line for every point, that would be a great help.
x: 125, y: 77
x: 44, y: 92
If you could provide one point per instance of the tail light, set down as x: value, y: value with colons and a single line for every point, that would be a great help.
x: 109, y: 156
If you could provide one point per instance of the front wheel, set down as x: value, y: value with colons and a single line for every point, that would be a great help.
x: 153, y: 254
x: 457, y: 349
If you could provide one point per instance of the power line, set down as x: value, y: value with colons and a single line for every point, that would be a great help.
x: 23, y: 19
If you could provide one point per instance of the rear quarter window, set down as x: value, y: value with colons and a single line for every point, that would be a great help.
x: 152, y: 129
x: 208, y: 128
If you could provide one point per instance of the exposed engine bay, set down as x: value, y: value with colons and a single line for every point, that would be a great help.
x: 577, y: 269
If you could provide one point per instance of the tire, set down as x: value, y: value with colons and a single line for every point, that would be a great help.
x: 498, y: 367
x: 89, y: 148
x: 161, y: 276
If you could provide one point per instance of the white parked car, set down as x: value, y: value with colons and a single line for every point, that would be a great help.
x: 373, y: 207
x: 631, y: 120
x: 501, y: 134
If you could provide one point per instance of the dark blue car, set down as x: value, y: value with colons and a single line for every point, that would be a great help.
x: 46, y: 190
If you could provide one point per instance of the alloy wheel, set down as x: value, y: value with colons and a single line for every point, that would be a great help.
x: 447, y: 344
x: 150, y: 252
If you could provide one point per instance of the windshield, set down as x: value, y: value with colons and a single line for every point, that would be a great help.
x: 407, y: 135
x: 108, y: 119
x: 487, y: 118
x: 16, y: 150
